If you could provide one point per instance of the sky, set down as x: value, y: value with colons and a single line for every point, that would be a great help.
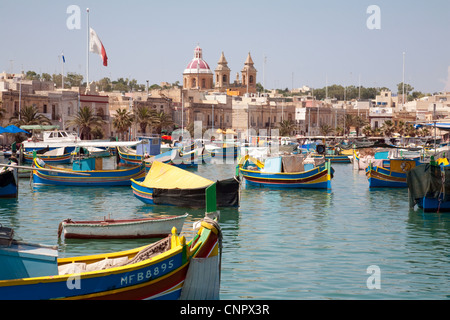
x: 292, y: 42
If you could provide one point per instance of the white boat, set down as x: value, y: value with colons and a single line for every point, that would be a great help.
x: 121, y: 229
x: 61, y: 138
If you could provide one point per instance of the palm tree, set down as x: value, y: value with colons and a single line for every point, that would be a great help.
x: 325, y: 129
x: 367, y: 131
x: 144, y: 117
x: 388, y: 128
x: 122, y: 121
x: 2, y: 111
x: 161, y: 121
x: 401, y: 128
x: 86, y: 120
x: 359, y: 123
x: 376, y: 132
x: 349, y: 122
x: 339, y: 131
x: 29, y: 115
x: 286, y: 126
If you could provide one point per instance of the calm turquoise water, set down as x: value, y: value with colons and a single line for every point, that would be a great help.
x: 280, y: 244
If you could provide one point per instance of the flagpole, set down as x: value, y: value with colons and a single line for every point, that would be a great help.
x: 62, y: 74
x: 87, y: 52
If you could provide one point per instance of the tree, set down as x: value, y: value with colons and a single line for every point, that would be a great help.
x: 388, y: 128
x: 2, y: 111
x: 349, y: 122
x: 325, y: 129
x: 286, y: 127
x: 29, y: 115
x: 358, y: 124
x: 73, y: 79
x: 86, y: 120
x: 161, y: 121
x: 31, y: 75
x: 104, y: 84
x: 122, y: 121
x: 144, y: 117
x: 367, y: 131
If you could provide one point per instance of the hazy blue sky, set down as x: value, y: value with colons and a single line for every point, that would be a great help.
x: 305, y: 42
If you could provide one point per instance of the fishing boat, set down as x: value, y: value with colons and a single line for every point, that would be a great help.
x: 85, y: 172
x: 287, y: 172
x: 173, y: 157
x: 429, y: 186
x: 9, y: 180
x: 155, y: 227
x: 161, y: 270
x: 332, y: 154
x: 169, y: 185
x: 55, y: 156
x: 392, y: 173
x: 51, y: 139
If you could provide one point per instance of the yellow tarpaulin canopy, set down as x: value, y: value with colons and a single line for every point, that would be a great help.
x: 165, y: 176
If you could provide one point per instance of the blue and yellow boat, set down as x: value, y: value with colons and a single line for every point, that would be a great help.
x: 270, y: 174
x: 429, y: 186
x: 169, y: 185
x: 156, y: 271
x: 85, y: 173
x: 392, y: 173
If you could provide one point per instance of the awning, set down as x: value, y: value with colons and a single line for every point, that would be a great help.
x: 165, y: 176
x: 12, y: 129
x: 440, y: 126
x: 38, y: 127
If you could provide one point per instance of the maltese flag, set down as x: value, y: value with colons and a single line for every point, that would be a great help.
x: 97, y: 47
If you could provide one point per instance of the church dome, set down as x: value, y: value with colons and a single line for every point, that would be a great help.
x: 197, y: 65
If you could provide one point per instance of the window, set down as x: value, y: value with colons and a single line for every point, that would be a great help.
x: 224, y: 78
x: 203, y: 83
x: 251, y: 79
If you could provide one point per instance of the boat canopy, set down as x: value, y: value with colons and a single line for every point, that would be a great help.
x: 165, y: 176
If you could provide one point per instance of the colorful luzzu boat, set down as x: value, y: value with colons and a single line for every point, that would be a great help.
x: 169, y: 185
x: 270, y: 174
x: 85, y: 176
x: 392, y: 173
x: 429, y: 186
x: 157, y: 271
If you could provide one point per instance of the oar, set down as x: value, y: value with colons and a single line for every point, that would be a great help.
x: 43, y: 169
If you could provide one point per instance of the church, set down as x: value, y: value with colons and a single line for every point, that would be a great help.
x: 199, y: 76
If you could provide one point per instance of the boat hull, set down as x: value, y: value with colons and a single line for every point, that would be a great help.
x: 227, y: 193
x: 9, y: 184
x: 66, y: 158
x: 385, y: 178
x: 94, y: 178
x: 428, y: 204
x: 317, y: 178
x: 155, y: 277
x: 122, y: 229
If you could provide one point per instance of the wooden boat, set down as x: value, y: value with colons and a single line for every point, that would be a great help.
x: 392, y: 173
x: 169, y: 185
x: 157, y: 271
x: 334, y: 155
x: 55, y: 156
x: 173, y: 157
x: 81, y: 175
x: 156, y: 227
x: 293, y: 172
x: 9, y: 180
x: 429, y: 186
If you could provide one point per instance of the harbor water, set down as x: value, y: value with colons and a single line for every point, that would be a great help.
x: 346, y: 243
